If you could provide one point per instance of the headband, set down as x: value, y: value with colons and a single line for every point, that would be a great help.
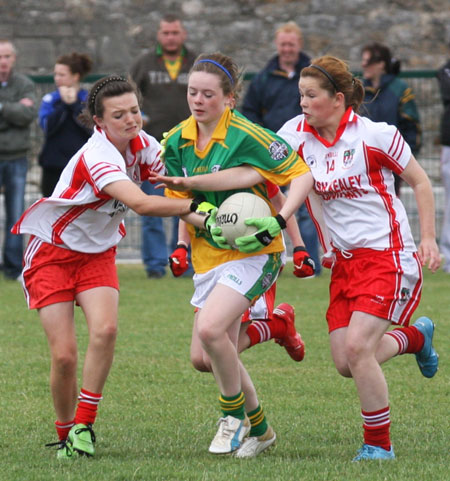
x: 217, y: 64
x: 101, y: 85
x: 327, y: 75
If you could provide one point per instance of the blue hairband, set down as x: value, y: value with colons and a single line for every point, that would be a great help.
x: 217, y: 64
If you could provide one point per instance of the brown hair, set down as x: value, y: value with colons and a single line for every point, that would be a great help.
x: 224, y: 67
x: 334, y: 75
x: 79, y: 63
x: 380, y: 53
x: 106, y: 87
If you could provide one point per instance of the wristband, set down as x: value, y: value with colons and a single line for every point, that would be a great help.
x: 299, y: 249
x: 281, y: 221
x: 182, y: 245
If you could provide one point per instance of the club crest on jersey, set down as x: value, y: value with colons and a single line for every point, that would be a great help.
x: 278, y: 150
x: 405, y: 295
x: 347, y: 161
x: 216, y: 168
x: 311, y: 161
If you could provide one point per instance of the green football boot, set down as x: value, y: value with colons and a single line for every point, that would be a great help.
x: 82, y: 439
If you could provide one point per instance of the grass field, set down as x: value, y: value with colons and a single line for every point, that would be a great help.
x: 158, y: 414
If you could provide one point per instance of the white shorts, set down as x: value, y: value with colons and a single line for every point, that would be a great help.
x: 251, y: 277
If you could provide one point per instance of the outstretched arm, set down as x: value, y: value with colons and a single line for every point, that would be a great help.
x: 416, y: 177
x: 228, y: 179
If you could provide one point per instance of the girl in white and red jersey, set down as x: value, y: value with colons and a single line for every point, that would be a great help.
x: 376, y: 279
x: 71, y: 254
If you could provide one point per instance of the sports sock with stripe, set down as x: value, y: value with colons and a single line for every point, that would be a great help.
x: 264, y: 330
x: 258, y: 422
x: 87, y: 407
x: 233, y: 405
x: 376, y: 428
x: 409, y: 339
x: 63, y: 429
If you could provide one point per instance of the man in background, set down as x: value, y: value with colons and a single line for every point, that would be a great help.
x: 269, y: 102
x: 18, y: 109
x: 161, y: 75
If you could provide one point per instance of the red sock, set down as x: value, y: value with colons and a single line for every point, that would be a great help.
x: 87, y: 407
x: 409, y: 339
x: 376, y: 428
x: 63, y: 429
x: 262, y: 331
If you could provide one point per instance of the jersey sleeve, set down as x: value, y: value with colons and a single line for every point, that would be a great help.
x: 395, y: 153
x: 270, y: 155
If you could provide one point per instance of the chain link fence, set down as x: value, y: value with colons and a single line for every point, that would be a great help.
x: 423, y: 84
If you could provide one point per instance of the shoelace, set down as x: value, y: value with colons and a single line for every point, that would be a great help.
x: 225, y: 429
x: 87, y: 428
x: 61, y: 445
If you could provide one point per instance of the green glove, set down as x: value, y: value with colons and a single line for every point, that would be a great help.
x: 268, y: 229
x: 205, y: 208
x: 215, y: 231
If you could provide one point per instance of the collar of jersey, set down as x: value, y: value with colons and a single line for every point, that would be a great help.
x: 190, y: 132
x: 348, y: 117
x: 135, y: 145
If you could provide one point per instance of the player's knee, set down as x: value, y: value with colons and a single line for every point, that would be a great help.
x: 104, y: 334
x: 200, y: 364
x: 343, y: 369
x: 65, y: 362
x: 207, y: 335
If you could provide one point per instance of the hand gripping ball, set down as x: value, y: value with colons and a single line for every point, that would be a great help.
x: 233, y: 212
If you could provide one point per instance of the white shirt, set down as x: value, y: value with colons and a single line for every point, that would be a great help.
x: 354, y: 180
x: 79, y: 215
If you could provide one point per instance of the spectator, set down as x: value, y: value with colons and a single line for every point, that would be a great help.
x: 444, y: 83
x: 161, y: 76
x: 17, y: 111
x: 273, y: 98
x: 388, y: 98
x: 58, y: 117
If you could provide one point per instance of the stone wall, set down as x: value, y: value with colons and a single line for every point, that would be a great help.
x: 116, y: 31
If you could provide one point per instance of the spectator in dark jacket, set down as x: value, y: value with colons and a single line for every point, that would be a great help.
x: 18, y: 110
x: 273, y: 98
x: 161, y: 75
x: 443, y: 76
x: 58, y: 117
x: 388, y: 98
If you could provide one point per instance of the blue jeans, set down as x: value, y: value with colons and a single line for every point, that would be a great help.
x: 309, y: 234
x: 154, y: 247
x: 13, y: 176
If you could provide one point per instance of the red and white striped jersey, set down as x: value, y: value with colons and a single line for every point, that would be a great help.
x: 79, y: 215
x: 353, y: 177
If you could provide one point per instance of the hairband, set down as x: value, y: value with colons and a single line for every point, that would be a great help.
x: 327, y: 75
x: 217, y: 64
x: 101, y: 85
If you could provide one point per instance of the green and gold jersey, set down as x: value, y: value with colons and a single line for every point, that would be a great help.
x: 236, y: 141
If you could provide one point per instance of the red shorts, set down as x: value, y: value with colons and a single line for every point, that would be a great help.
x: 53, y: 274
x: 386, y: 284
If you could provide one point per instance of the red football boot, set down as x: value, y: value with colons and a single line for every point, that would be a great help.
x: 291, y: 340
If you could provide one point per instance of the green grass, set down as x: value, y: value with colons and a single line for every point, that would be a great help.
x: 158, y: 414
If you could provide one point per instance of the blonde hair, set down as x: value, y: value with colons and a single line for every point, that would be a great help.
x: 290, y: 27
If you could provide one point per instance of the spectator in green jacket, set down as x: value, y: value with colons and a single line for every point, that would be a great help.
x: 17, y: 111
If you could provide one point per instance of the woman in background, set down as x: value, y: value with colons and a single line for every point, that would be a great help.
x: 64, y: 134
x: 388, y: 98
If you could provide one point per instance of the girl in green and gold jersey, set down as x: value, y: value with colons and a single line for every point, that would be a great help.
x: 227, y: 281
